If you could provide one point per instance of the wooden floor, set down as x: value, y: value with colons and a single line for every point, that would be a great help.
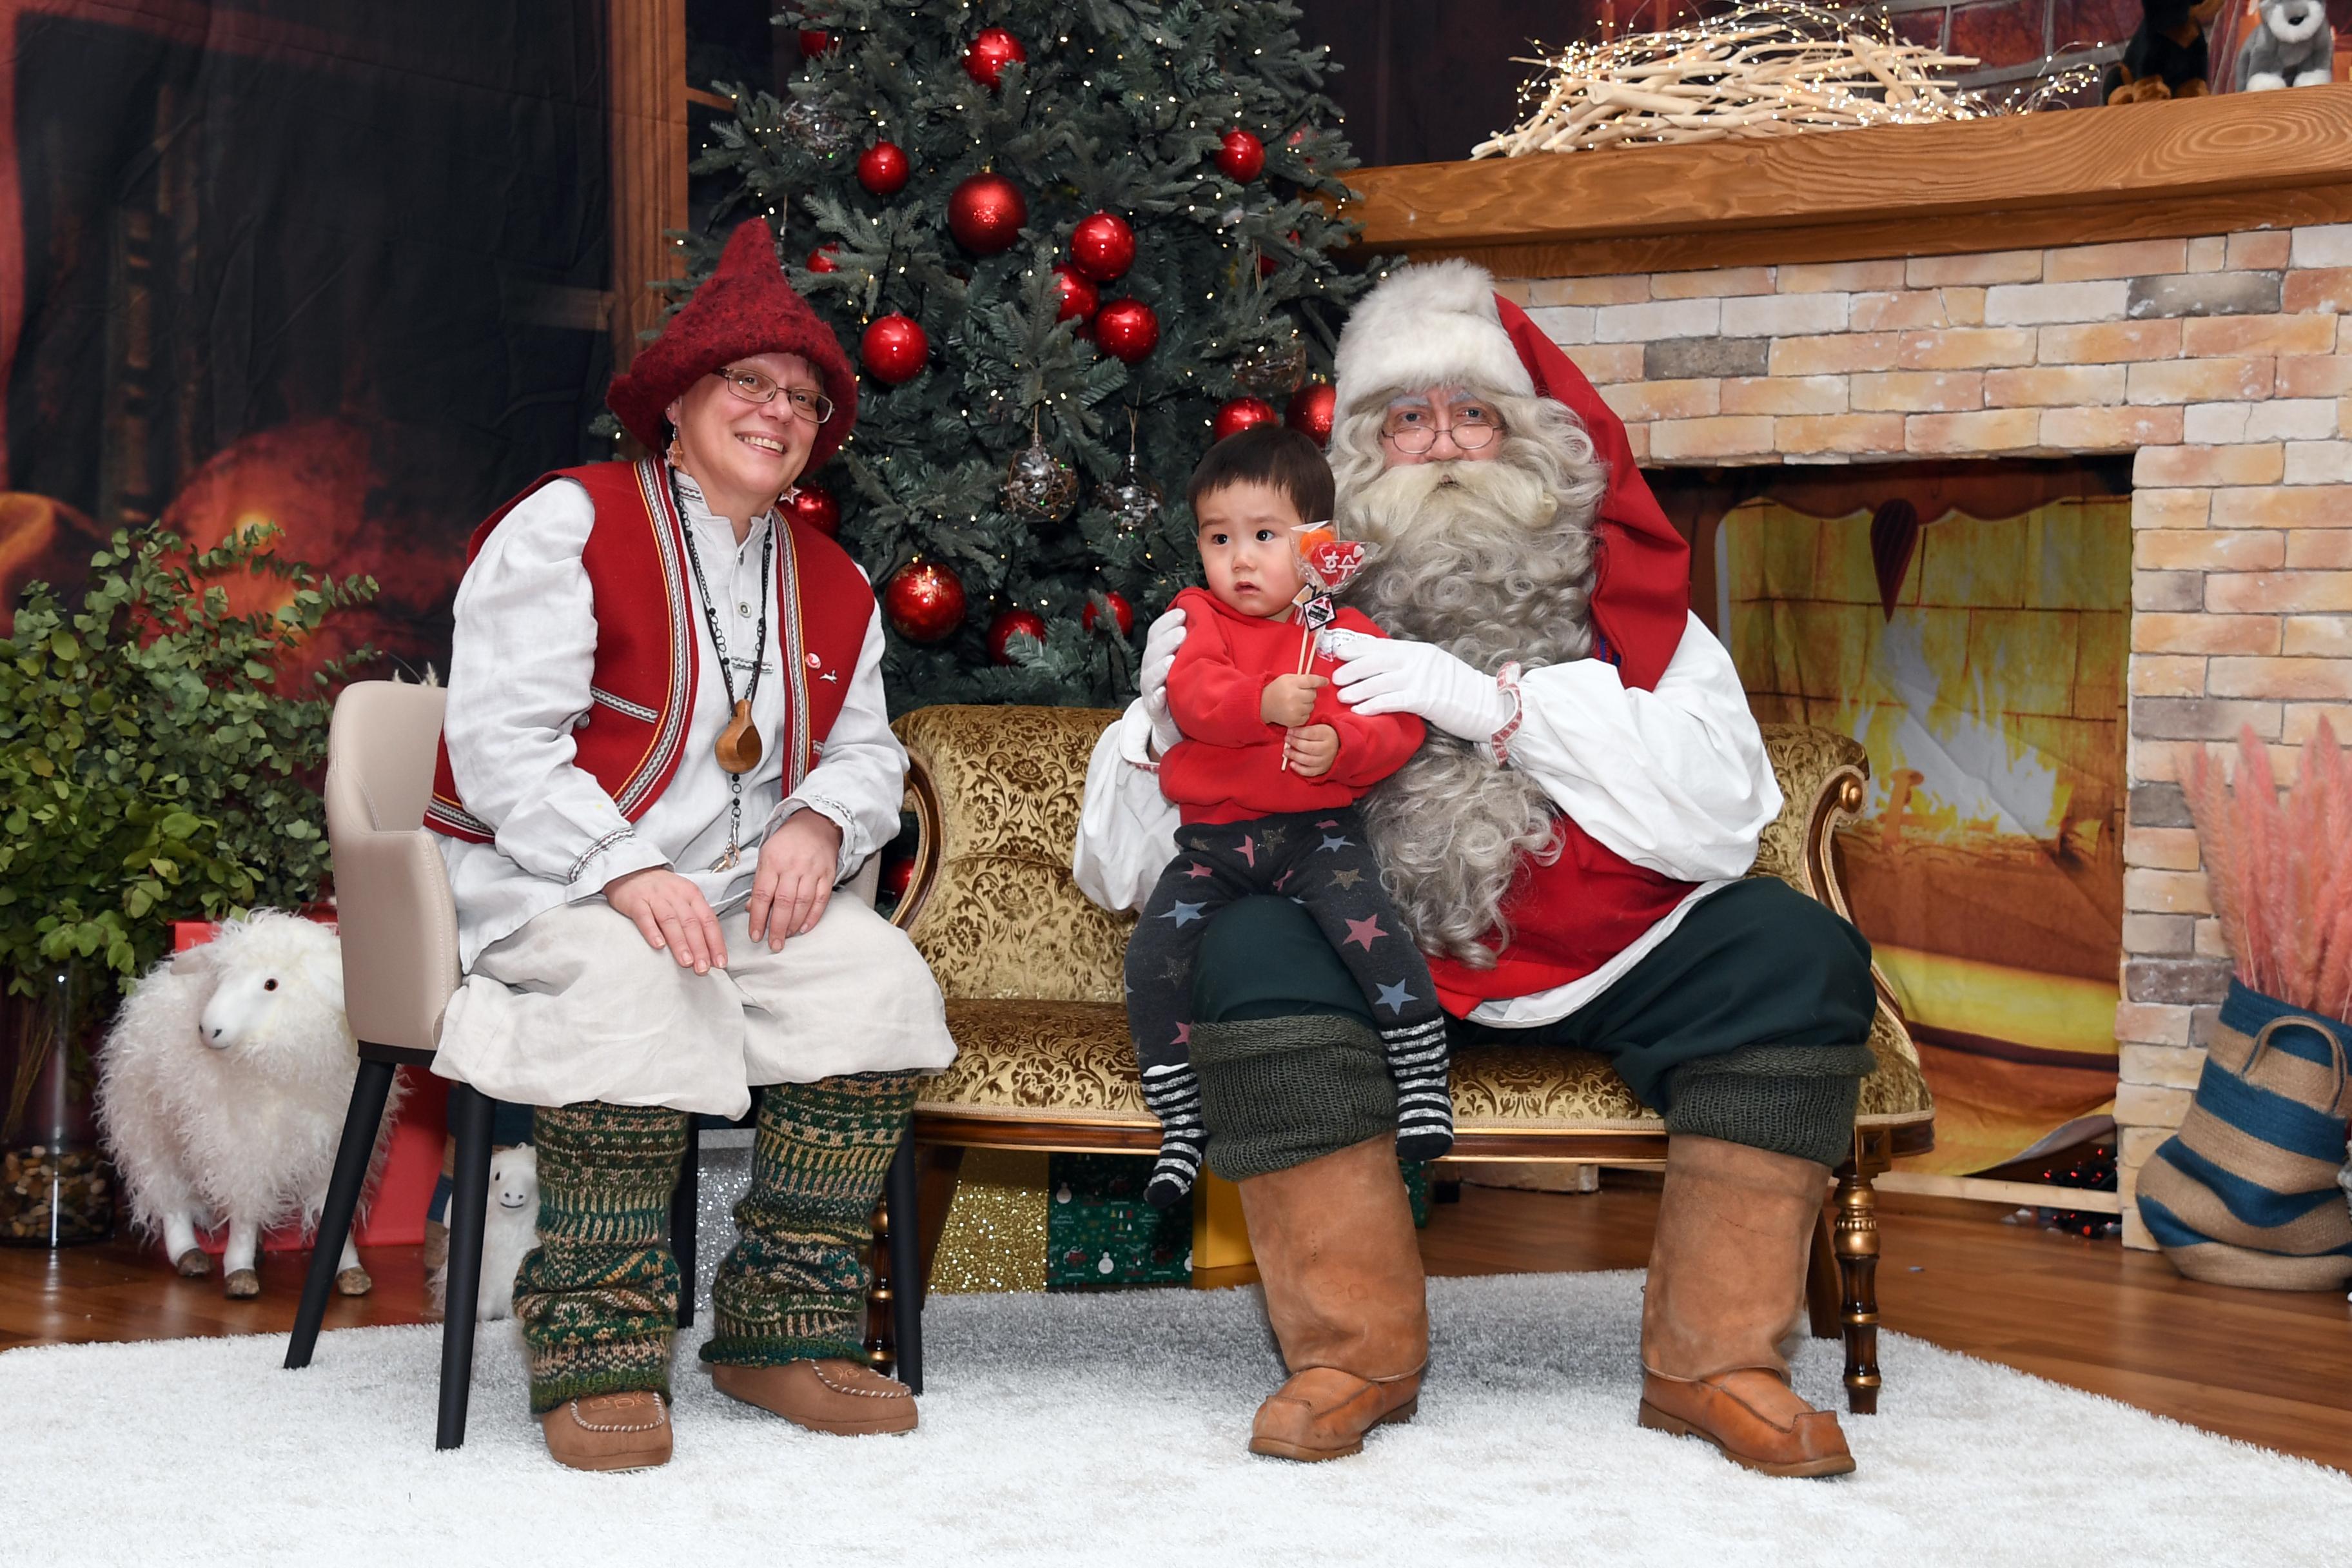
x: 2266, y: 1367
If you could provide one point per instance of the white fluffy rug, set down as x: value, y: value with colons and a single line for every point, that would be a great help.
x: 1107, y: 1430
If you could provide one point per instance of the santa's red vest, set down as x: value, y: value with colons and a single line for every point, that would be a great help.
x: 642, y: 686
x: 1566, y: 920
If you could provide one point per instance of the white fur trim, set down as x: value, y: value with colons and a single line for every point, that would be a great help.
x: 1428, y: 326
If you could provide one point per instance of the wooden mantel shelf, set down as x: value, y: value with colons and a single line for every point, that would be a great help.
x: 2078, y: 176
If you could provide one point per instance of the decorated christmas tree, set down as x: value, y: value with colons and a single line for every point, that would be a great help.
x: 1069, y: 244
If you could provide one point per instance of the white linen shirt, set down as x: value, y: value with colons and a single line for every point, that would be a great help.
x: 519, y: 669
x: 1676, y: 779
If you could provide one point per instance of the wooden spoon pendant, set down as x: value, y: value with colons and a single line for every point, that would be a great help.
x: 738, y: 745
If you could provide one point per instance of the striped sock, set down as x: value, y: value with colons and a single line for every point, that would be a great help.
x: 598, y: 1296
x: 1418, y: 1063
x: 794, y: 1289
x: 1173, y: 1093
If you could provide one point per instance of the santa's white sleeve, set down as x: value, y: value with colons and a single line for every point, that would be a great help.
x: 1127, y: 828
x: 860, y: 777
x: 1674, y: 779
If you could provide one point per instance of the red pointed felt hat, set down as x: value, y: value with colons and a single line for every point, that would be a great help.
x: 743, y: 308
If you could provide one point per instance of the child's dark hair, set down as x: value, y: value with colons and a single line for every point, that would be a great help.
x: 1272, y: 455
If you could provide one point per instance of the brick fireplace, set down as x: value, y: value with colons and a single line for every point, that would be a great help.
x: 2103, y: 282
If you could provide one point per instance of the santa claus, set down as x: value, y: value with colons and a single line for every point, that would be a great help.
x: 1570, y: 850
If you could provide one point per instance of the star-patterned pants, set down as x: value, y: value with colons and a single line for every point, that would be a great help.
x: 1320, y: 860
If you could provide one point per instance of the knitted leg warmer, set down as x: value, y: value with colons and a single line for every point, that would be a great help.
x: 793, y: 1288
x: 598, y: 1296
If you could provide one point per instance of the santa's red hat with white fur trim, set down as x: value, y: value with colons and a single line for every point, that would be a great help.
x: 1440, y: 323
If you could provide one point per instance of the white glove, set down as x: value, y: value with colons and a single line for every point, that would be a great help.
x: 1387, y: 674
x: 1159, y: 646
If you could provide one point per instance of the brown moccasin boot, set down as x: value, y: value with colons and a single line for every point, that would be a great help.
x: 844, y: 1397
x: 1344, y: 1291
x: 609, y: 1431
x: 1727, y: 1279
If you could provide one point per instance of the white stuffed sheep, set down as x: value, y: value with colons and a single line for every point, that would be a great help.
x: 511, y: 1229
x: 223, y: 1086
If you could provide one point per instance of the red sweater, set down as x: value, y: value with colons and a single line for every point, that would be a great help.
x: 1228, y: 767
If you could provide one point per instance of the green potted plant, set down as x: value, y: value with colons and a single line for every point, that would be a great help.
x: 159, y: 758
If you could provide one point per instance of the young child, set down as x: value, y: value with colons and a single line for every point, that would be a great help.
x: 1267, y: 778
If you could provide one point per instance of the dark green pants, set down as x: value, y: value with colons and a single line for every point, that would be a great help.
x: 1749, y: 1023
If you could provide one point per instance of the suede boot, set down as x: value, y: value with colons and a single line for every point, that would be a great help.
x: 1727, y: 1279
x: 1344, y: 1291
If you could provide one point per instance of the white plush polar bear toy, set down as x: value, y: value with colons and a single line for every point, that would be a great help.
x: 223, y: 1086
x: 2293, y: 46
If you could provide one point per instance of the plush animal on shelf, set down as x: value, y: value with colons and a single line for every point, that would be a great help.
x: 2166, y: 57
x: 511, y: 1231
x: 221, y: 1089
x: 2292, y: 46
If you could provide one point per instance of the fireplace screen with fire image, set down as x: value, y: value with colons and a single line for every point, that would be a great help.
x: 1970, y: 625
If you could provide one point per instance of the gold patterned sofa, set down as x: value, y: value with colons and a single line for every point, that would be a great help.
x: 1031, y: 971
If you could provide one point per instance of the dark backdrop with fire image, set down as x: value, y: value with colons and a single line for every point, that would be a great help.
x: 1970, y: 624
x: 340, y: 267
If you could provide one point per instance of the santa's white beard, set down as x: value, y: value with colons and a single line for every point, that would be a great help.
x: 1490, y: 561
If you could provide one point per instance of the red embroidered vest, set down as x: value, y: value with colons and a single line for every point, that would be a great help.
x: 643, y: 683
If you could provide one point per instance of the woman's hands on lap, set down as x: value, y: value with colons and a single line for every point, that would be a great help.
x: 794, y: 881
x: 672, y: 914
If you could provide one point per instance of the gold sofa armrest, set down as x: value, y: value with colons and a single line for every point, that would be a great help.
x: 1821, y: 777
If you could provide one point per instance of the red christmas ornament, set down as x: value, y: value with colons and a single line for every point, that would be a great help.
x: 1000, y: 631
x: 985, y: 213
x: 1120, y: 611
x: 898, y: 875
x: 1079, y: 300
x: 814, y: 505
x: 1103, y: 246
x: 1241, y: 414
x: 1127, y: 330
x: 924, y: 600
x: 895, y: 348
x: 990, y: 52
x: 1310, y: 410
x: 821, y: 259
x: 815, y: 41
x: 883, y: 168
x: 1242, y: 156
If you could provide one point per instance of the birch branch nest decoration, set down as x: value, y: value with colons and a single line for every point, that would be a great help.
x: 1772, y: 69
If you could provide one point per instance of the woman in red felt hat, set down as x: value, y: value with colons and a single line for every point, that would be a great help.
x: 667, y: 746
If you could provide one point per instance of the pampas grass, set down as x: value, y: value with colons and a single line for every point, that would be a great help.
x: 2281, y: 869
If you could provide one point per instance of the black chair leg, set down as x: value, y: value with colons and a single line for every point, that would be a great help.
x: 684, y: 1203
x: 908, y: 1287
x: 369, y: 1091
x: 469, y: 1125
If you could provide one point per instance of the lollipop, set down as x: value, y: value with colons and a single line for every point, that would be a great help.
x: 1326, y: 563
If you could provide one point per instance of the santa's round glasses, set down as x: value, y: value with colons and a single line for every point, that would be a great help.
x: 1415, y: 430
x: 752, y: 387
